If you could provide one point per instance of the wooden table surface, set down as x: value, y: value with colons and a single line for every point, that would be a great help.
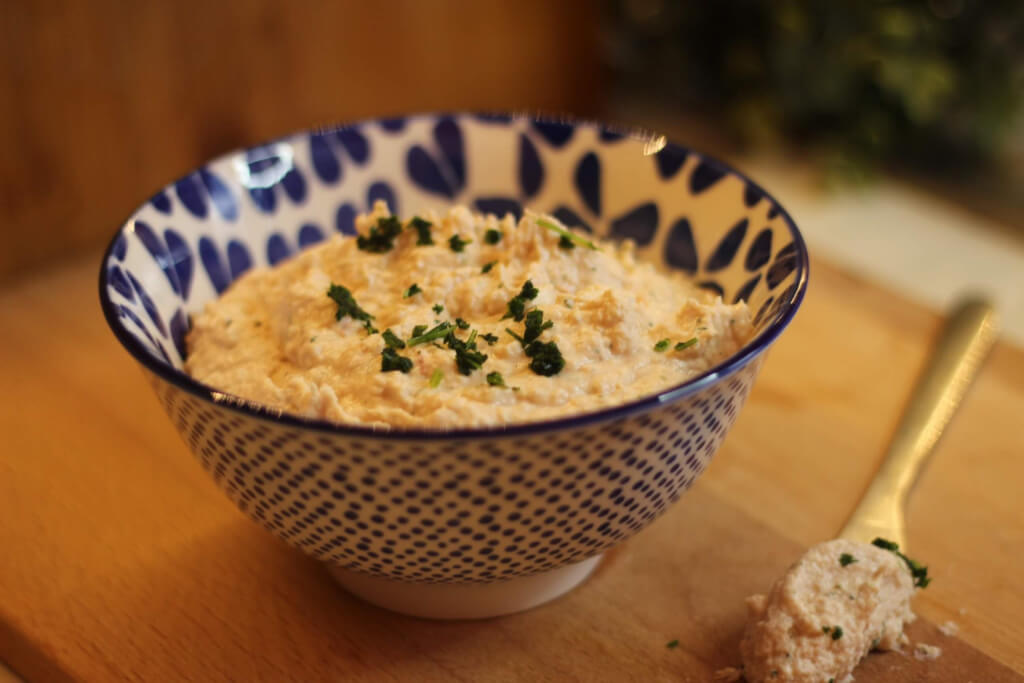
x: 119, y: 560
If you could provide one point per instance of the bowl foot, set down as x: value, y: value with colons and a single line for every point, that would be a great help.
x: 466, y: 600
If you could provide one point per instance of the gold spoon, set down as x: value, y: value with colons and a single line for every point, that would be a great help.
x: 968, y: 336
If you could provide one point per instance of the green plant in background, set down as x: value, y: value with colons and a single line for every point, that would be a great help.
x: 933, y: 85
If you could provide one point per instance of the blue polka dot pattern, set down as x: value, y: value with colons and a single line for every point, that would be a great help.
x: 472, y: 508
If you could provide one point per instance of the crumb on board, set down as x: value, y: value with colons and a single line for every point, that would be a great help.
x: 949, y: 628
x: 729, y: 674
x: 962, y: 611
x: 923, y: 652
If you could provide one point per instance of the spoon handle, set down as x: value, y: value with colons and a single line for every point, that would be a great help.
x: 968, y: 335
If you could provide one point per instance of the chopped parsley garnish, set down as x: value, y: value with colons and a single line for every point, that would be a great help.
x: 672, y: 644
x: 461, y: 324
x: 686, y: 344
x: 392, y: 340
x: 418, y: 330
x: 566, y: 235
x: 517, y: 304
x: 437, y: 332
x: 495, y: 379
x: 487, y: 266
x: 535, y: 324
x: 516, y: 337
x: 467, y: 358
x: 347, y: 306
x: 492, y: 236
x: 457, y: 243
x: 565, y: 243
x: 837, y: 632
x: 847, y: 559
x: 919, y: 572
x: 438, y: 308
x: 391, y: 361
x: 436, y: 377
x: 382, y: 236
x: 547, y: 359
x: 489, y: 338
x: 413, y: 289
x: 422, y: 227
x: 662, y: 345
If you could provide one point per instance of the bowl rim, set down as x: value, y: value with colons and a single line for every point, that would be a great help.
x: 747, y: 354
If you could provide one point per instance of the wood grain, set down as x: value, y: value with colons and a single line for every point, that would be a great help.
x: 106, y: 100
x: 121, y: 561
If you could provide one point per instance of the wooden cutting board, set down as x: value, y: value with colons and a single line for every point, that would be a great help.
x: 119, y: 560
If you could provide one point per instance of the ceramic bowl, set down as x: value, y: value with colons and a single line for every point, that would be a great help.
x: 463, y: 522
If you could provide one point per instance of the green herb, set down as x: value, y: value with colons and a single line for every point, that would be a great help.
x: 392, y: 340
x: 672, y: 644
x: 347, y: 306
x: 312, y: 339
x: 487, y: 266
x: 418, y: 330
x: 382, y: 236
x: 847, y: 559
x: 422, y: 227
x: 438, y: 308
x: 489, y: 338
x: 457, y: 243
x: 413, y: 289
x: 467, y: 358
x: 686, y: 344
x: 438, y: 332
x: 565, y: 243
x: 517, y: 304
x: 495, y: 379
x: 919, y: 572
x: 837, y: 632
x: 436, y: 377
x: 492, y: 236
x: 516, y: 337
x: 547, y: 359
x: 461, y: 324
x: 391, y: 361
x: 567, y: 235
x: 826, y: 629
x: 662, y: 345
x: 535, y: 324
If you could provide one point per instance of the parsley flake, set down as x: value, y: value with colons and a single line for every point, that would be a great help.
x: 438, y: 332
x: 413, y: 289
x: 438, y: 308
x: 382, y: 236
x: 547, y: 359
x: 347, y: 306
x: 686, y: 344
x: 418, y: 330
x: 392, y: 340
x: 535, y: 324
x: 662, y: 345
x: 566, y: 235
x: 919, y: 572
x: 391, y: 361
x: 495, y: 379
x: 489, y: 338
x: 492, y: 236
x: 467, y: 358
x: 846, y: 559
x: 461, y: 324
x: 517, y: 304
x: 436, y: 377
x: 565, y: 243
x: 837, y: 632
x: 672, y: 644
x: 487, y: 266
x: 457, y: 243
x: 422, y: 227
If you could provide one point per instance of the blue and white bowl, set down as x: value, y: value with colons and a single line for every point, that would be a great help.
x: 463, y: 522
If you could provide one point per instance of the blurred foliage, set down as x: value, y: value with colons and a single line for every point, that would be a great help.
x: 934, y: 85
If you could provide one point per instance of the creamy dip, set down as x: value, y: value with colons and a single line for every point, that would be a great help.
x: 841, y: 600
x: 619, y: 328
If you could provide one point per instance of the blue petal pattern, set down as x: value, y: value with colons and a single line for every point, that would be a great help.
x: 727, y: 248
x: 239, y: 259
x: 494, y: 118
x: 670, y: 159
x: 120, y: 249
x: 325, y: 163
x: 118, y: 281
x: 309, y: 234
x: 531, y: 171
x: 277, y: 249
x: 213, y: 264
x: 588, y: 182
x: 744, y: 292
x: 147, y: 304
x: 158, y: 251
x: 713, y: 287
x: 345, y: 219
x: 179, y: 328
x: 557, y: 134
x: 607, y: 135
x: 392, y: 125
x: 704, y: 176
x: 263, y: 198
x: 220, y: 194
x: 751, y: 195
x: 680, y: 248
x: 161, y: 202
x: 181, y: 259
x: 760, y: 250
x: 188, y: 192
x: 381, y: 190
x: 425, y: 172
x: 448, y: 137
x: 294, y: 185
x: 570, y: 218
x: 354, y: 143
x: 639, y: 224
